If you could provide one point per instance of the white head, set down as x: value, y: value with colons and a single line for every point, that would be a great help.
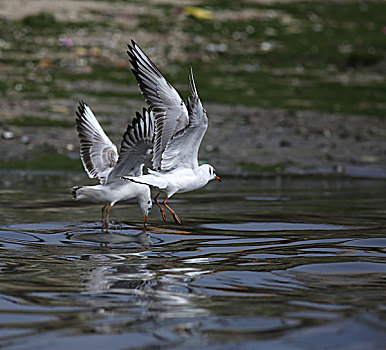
x: 209, y: 172
x: 145, y: 203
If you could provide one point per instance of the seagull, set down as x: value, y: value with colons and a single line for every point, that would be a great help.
x: 178, y: 132
x: 101, y: 160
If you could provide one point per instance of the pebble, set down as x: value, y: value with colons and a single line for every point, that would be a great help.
x: 24, y: 139
x: 285, y: 143
x: 8, y: 135
x: 70, y: 147
x: 369, y: 159
x: 339, y: 169
x: 302, y: 131
x: 327, y: 132
x: 209, y: 148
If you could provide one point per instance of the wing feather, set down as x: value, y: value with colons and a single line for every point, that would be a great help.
x: 98, y: 154
x: 182, y: 148
x: 137, y: 140
x: 170, y: 112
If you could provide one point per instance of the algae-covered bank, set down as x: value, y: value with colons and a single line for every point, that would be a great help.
x: 289, y: 86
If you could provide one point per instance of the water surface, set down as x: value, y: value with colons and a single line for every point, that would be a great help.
x: 271, y: 263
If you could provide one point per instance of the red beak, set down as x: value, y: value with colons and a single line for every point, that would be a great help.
x: 217, y: 178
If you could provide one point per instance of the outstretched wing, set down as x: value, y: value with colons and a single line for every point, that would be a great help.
x: 182, y: 148
x: 137, y: 140
x: 99, y: 155
x: 170, y: 113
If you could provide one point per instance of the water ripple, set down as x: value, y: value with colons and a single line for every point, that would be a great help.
x: 273, y: 270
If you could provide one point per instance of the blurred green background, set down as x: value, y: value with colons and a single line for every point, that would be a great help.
x: 324, y: 56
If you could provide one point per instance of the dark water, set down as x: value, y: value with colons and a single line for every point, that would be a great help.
x: 278, y: 263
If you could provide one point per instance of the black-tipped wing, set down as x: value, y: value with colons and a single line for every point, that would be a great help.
x: 197, y: 114
x: 137, y: 140
x: 98, y: 154
x: 170, y: 113
x: 182, y: 149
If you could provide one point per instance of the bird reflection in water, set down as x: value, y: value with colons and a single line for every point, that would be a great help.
x: 135, y: 291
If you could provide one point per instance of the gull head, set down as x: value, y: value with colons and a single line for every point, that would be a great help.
x: 145, y: 204
x: 209, y: 172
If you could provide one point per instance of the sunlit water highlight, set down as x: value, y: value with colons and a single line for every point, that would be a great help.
x: 282, y: 263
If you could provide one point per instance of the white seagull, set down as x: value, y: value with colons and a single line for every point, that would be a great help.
x: 179, y: 130
x: 100, y: 159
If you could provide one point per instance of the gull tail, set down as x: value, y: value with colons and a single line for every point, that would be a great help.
x: 86, y: 192
x: 150, y: 180
x: 74, y: 191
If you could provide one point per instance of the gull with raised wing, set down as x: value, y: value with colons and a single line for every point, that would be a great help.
x: 101, y: 160
x: 178, y: 132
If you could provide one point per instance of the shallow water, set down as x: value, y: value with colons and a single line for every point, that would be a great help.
x: 276, y: 263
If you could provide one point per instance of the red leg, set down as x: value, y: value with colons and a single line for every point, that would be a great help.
x: 160, y: 208
x: 175, y: 216
x: 103, y: 213
x: 144, y: 222
x: 107, y: 218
